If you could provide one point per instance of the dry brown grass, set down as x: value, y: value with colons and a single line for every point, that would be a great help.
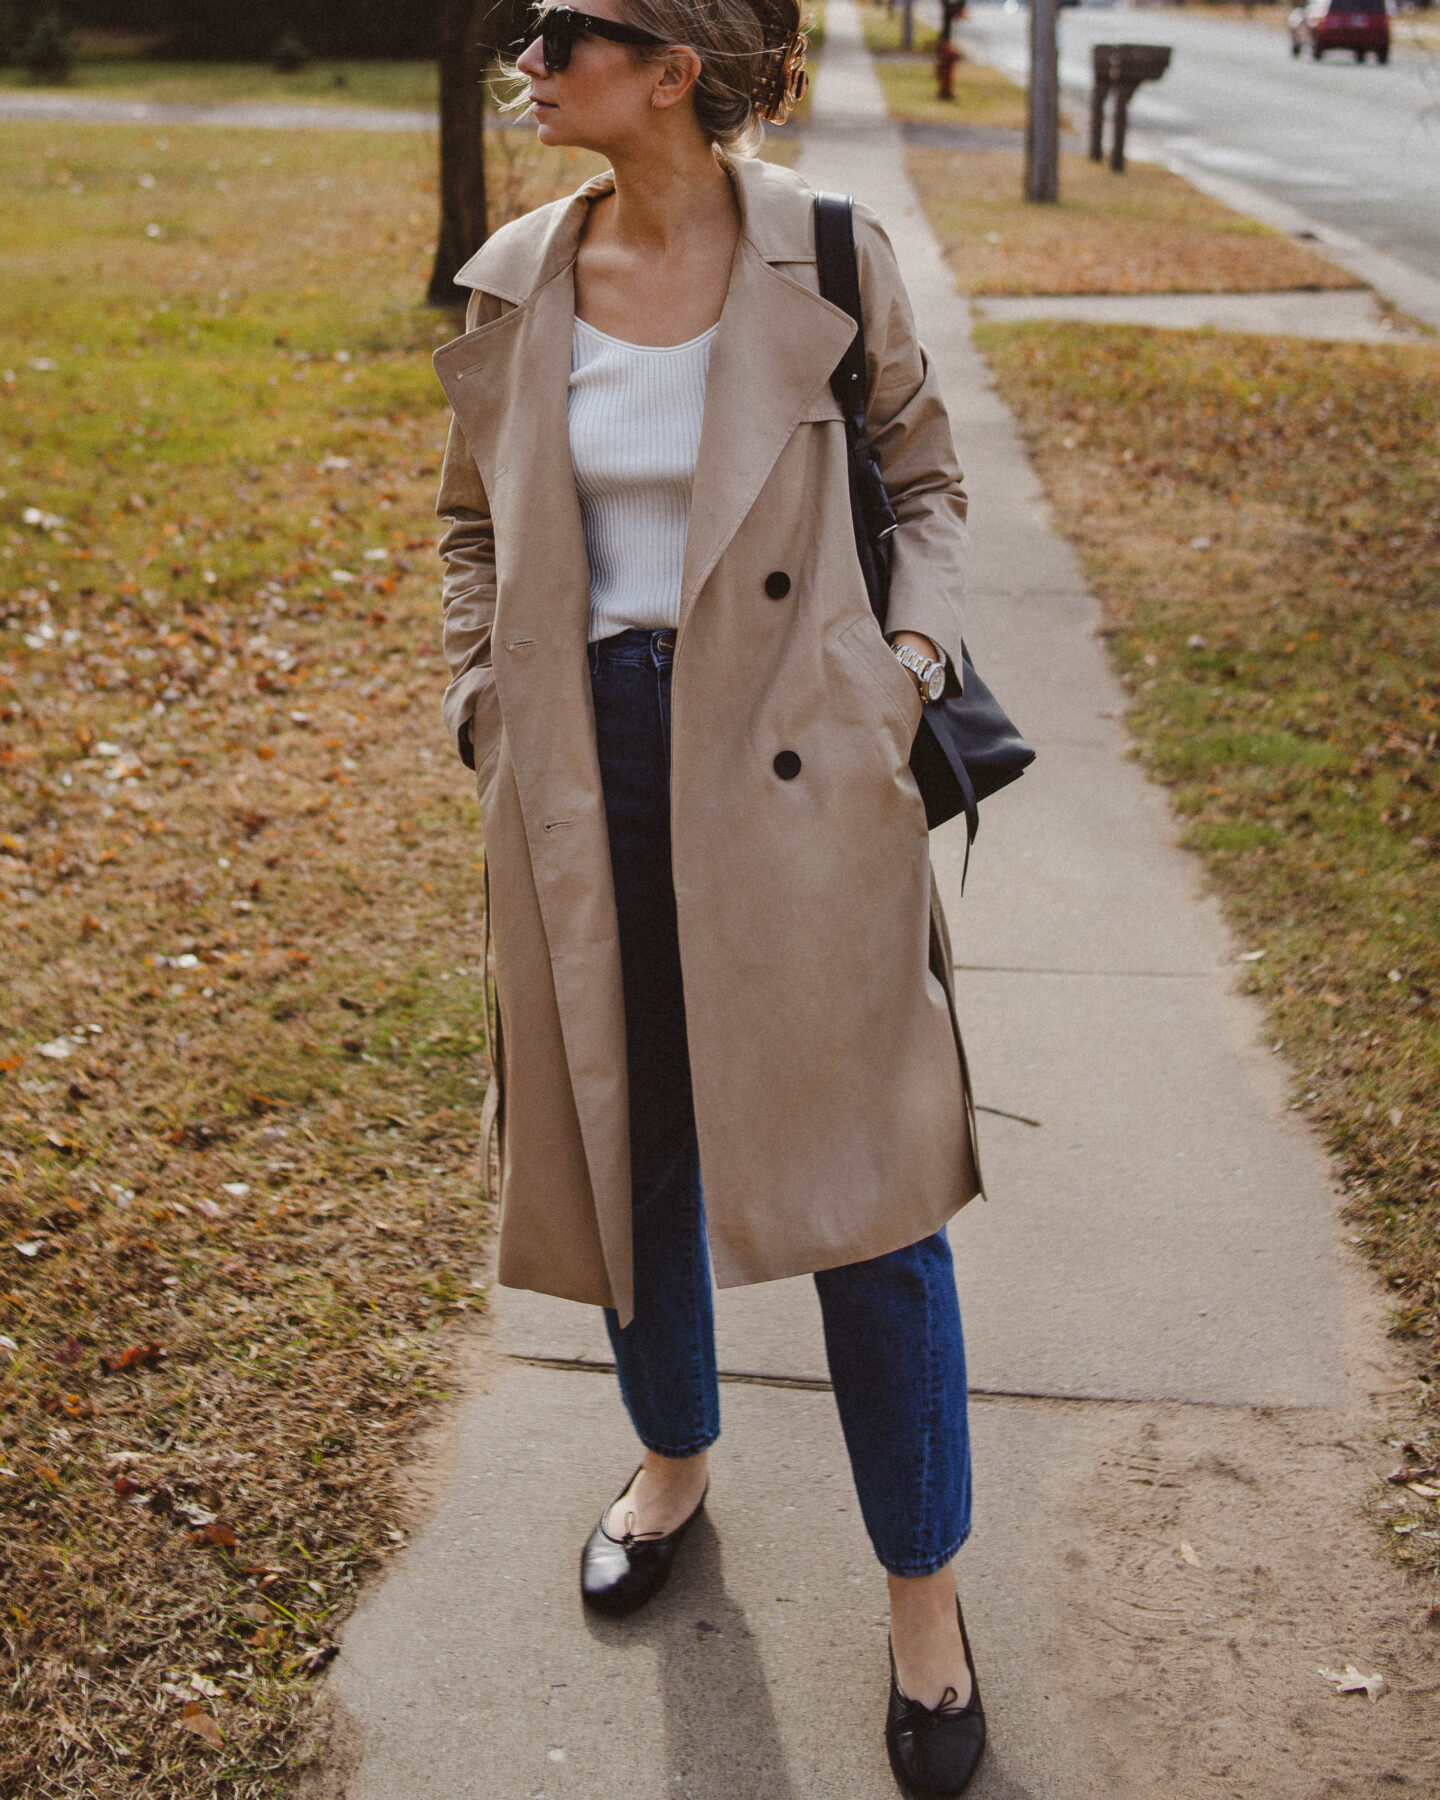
x: 241, y: 1029
x: 1144, y: 232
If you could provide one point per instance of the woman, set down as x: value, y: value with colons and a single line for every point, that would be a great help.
x: 718, y: 951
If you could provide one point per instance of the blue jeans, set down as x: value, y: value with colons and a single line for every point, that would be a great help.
x: 892, y: 1325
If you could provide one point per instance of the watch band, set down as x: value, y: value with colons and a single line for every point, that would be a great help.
x: 924, y: 669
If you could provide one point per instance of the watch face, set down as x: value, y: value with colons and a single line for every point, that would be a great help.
x: 935, y: 682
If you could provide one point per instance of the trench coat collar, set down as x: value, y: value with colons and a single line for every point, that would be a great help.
x: 517, y: 260
x: 770, y: 363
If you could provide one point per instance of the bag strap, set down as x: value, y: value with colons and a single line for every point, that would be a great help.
x: 871, y: 514
x: 840, y: 285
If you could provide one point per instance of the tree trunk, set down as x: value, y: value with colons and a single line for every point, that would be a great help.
x: 1042, y: 113
x: 464, y: 57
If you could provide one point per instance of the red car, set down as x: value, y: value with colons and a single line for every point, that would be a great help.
x: 1361, y: 26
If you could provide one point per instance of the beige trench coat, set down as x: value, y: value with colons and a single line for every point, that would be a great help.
x: 831, y: 1099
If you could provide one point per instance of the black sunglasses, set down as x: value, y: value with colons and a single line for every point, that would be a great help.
x: 557, y: 27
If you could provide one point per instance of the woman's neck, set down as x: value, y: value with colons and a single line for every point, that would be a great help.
x: 667, y: 196
x: 655, y: 256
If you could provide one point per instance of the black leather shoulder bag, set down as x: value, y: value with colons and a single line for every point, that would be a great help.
x: 966, y: 748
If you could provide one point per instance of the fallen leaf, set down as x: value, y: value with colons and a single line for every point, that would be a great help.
x: 1353, y: 1682
x: 70, y: 1351
x: 202, y: 1684
x: 31, y: 1247
x: 209, y: 1209
x: 142, y: 1356
x: 317, y: 1656
x: 196, y: 1719
x: 218, y: 1533
x: 126, y: 1485
x: 258, y: 1611
x: 57, y: 1049
x: 74, y: 1406
x: 1424, y: 1491
x: 1187, y: 1554
x: 51, y: 1477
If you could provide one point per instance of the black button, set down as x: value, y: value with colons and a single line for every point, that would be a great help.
x: 787, y: 765
x: 777, y: 584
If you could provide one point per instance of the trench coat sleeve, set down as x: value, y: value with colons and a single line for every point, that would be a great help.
x: 909, y: 429
x: 467, y: 550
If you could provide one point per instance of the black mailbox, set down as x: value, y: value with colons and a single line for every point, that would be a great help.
x: 1121, y: 67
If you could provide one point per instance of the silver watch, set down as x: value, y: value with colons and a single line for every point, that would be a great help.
x: 929, y: 676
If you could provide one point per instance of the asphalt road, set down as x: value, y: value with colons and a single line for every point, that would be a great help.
x: 1354, y: 145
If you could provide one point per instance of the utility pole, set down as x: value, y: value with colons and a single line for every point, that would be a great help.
x: 1042, y: 112
x: 907, y: 24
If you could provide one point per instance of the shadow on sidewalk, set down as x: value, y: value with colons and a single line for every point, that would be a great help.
x: 722, y: 1736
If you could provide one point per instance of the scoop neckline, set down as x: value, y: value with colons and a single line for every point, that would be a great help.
x: 647, y: 349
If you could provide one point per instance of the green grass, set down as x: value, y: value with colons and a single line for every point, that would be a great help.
x: 410, y: 85
x: 982, y: 95
x: 883, y: 28
x: 1262, y: 524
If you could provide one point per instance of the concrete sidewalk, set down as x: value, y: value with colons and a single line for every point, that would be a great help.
x: 1154, y: 1308
x: 1337, y: 315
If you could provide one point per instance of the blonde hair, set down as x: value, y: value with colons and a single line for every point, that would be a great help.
x: 751, y: 62
x: 741, y: 45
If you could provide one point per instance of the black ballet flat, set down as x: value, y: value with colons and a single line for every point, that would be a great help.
x: 935, y: 1750
x: 618, y: 1575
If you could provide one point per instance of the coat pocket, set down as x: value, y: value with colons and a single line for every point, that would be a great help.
x: 486, y: 726
x: 866, y: 646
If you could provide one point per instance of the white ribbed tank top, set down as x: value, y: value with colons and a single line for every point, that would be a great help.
x: 635, y: 412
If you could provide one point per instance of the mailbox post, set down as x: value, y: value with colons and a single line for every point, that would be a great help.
x: 1121, y: 67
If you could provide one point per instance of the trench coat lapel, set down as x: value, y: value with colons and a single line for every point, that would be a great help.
x: 770, y: 363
